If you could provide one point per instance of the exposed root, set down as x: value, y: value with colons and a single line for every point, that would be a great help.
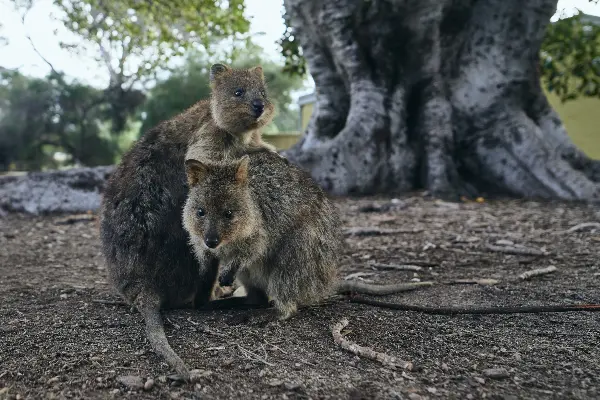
x: 365, y: 352
x: 537, y: 272
x: 520, y: 250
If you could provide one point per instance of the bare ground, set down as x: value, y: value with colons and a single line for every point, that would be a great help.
x: 55, y: 341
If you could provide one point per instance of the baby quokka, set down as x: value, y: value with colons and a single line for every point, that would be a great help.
x: 268, y: 220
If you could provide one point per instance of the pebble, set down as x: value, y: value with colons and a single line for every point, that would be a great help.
x: 415, y: 396
x: 292, y: 385
x: 149, y: 384
x: 275, y: 382
x: 496, y: 373
x: 114, y: 391
x: 480, y: 380
x: 131, y: 381
x: 52, y: 380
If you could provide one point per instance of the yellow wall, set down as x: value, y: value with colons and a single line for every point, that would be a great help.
x: 306, y: 111
x: 581, y: 118
x: 282, y: 140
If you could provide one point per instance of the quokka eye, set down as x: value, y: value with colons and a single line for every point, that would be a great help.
x: 238, y: 92
x: 201, y: 212
x: 263, y: 93
x: 228, y: 214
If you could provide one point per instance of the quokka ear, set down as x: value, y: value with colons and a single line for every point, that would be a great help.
x: 196, y: 171
x: 216, y: 70
x: 241, y: 174
x: 258, y: 71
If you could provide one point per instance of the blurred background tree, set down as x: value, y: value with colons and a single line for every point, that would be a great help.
x: 56, y: 121
x: 570, y: 57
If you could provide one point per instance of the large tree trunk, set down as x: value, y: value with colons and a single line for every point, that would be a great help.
x: 436, y: 94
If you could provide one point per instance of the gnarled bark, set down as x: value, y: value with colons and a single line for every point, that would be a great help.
x: 436, y: 94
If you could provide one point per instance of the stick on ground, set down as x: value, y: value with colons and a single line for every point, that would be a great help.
x: 515, y: 250
x: 476, y: 281
x: 537, y: 272
x: 582, y: 226
x: 397, y: 267
x: 365, y: 352
x: 360, y: 231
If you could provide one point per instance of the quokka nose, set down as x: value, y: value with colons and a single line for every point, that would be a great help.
x: 211, y: 241
x: 258, y: 106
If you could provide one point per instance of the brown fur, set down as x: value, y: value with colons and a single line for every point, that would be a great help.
x: 229, y: 127
x: 273, y: 223
x: 149, y: 258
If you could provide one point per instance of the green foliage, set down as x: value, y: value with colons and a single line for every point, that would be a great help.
x: 189, y: 84
x: 40, y: 117
x: 295, y: 64
x: 150, y: 32
x: 570, y: 58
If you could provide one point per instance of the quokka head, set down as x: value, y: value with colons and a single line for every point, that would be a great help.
x: 219, y: 209
x: 239, y: 100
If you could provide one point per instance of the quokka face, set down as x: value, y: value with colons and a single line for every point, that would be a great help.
x: 219, y: 208
x: 239, y: 100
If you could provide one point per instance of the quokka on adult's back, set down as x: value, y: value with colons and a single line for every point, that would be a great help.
x: 149, y: 258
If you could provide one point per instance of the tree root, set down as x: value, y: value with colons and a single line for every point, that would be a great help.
x: 365, y: 352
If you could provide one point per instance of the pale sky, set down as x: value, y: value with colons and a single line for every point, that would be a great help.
x: 265, y: 17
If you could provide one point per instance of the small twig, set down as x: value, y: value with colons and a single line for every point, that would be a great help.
x: 398, y: 267
x: 71, y: 219
x: 476, y: 281
x: 515, y: 250
x: 583, y: 226
x: 361, y: 231
x: 205, y: 329
x: 358, y: 275
x: 174, y: 324
x: 253, y: 356
x: 537, y: 272
x: 366, y: 352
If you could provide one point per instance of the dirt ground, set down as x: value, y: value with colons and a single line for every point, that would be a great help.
x: 56, y: 342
